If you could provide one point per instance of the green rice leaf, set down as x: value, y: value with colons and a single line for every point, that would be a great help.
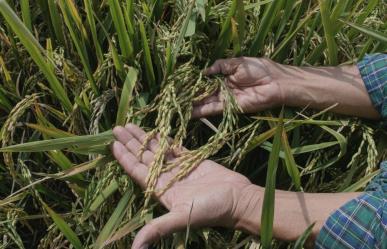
x: 126, y: 96
x: 26, y: 13
x: 90, y: 19
x: 201, y: 8
x: 64, y: 227
x: 382, y: 37
x: 62, y: 143
x: 50, y: 131
x: 56, y: 21
x: 267, y: 217
x: 343, y: 149
x: 136, y: 222
x: 301, y: 149
x: 300, y: 242
x: 150, y: 74
x: 224, y: 38
x: 290, y: 163
x: 191, y: 25
x: 108, y: 191
x: 122, y: 33
x: 72, y: 22
x: 114, y: 220
x: 266, y: 23
x: 4, y: 102
x: 328, y: 31
x: 362, y: 182
x: 180, y: 39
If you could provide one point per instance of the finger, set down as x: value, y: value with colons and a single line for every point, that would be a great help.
x: 132, y: 144
x: 223, y: 66
x: 207, y: 109
x: 135, y: 169
x: 141, y: 136
x: 160, y: 227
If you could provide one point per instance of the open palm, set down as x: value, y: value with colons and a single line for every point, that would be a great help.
x: 251, y: 82
x: 208, y: 196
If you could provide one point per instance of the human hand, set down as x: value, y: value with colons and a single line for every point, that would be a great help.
x: 251, y: 81
x: 217, y: 196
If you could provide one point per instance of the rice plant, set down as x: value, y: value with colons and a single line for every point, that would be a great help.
x: 72, y: 70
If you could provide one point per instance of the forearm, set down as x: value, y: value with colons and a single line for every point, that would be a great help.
x: 322, y: 87
x: 293, y: 212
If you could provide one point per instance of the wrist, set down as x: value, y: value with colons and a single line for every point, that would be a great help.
x: 323, y: 87
x: 248, y: 210
x: 296, y: 87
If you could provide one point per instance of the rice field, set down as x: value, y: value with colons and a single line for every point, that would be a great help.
x: 71, y: 70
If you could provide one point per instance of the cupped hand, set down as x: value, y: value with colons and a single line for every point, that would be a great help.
x: 253, y: 85
x: 211, y: 195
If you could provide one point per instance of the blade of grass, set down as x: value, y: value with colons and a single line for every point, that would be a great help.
x: 117, y: 60
x: 4, y: 102
x: 191, y: 27
x: 287, y: 12
x: 61, y: 143
x: 114, y: 220
x: 300, y: 242
x: 372, y: 33
x: 301, y: 149
x: 290, y: 163
x: 76, y: 17
x: 267, y: 216
x: 77, y: 169
x: 362, y: 182
x: 136, y: 222
x: 79, y: 42
x: 299, y: 59
x: 8, y: 83
x: 282, y: 47
x: 26, y: 13
x: 150, y: 75
x: 56, y: 22
x: 64, y: 227
x: 240, y: 18
x: 305, y: 121
x: 224, y: 37
x: 179, y: 42
x: 343, y: 149
x: 50, y: 131
x: 108, y: 191
x: 328, y: 31
x: 129, y: 18
x: 90, y: 19
x: 126, y: 96
x: 266, y: 23
x: 122, y: 33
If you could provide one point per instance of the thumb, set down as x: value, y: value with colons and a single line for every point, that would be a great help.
x: 160, y: 227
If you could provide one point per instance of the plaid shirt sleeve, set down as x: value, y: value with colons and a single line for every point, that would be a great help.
x: 373, y: 70
x: 362, y: 222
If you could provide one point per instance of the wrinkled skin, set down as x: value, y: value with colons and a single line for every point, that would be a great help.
x: 214, y: 193
x: 251, y: 83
